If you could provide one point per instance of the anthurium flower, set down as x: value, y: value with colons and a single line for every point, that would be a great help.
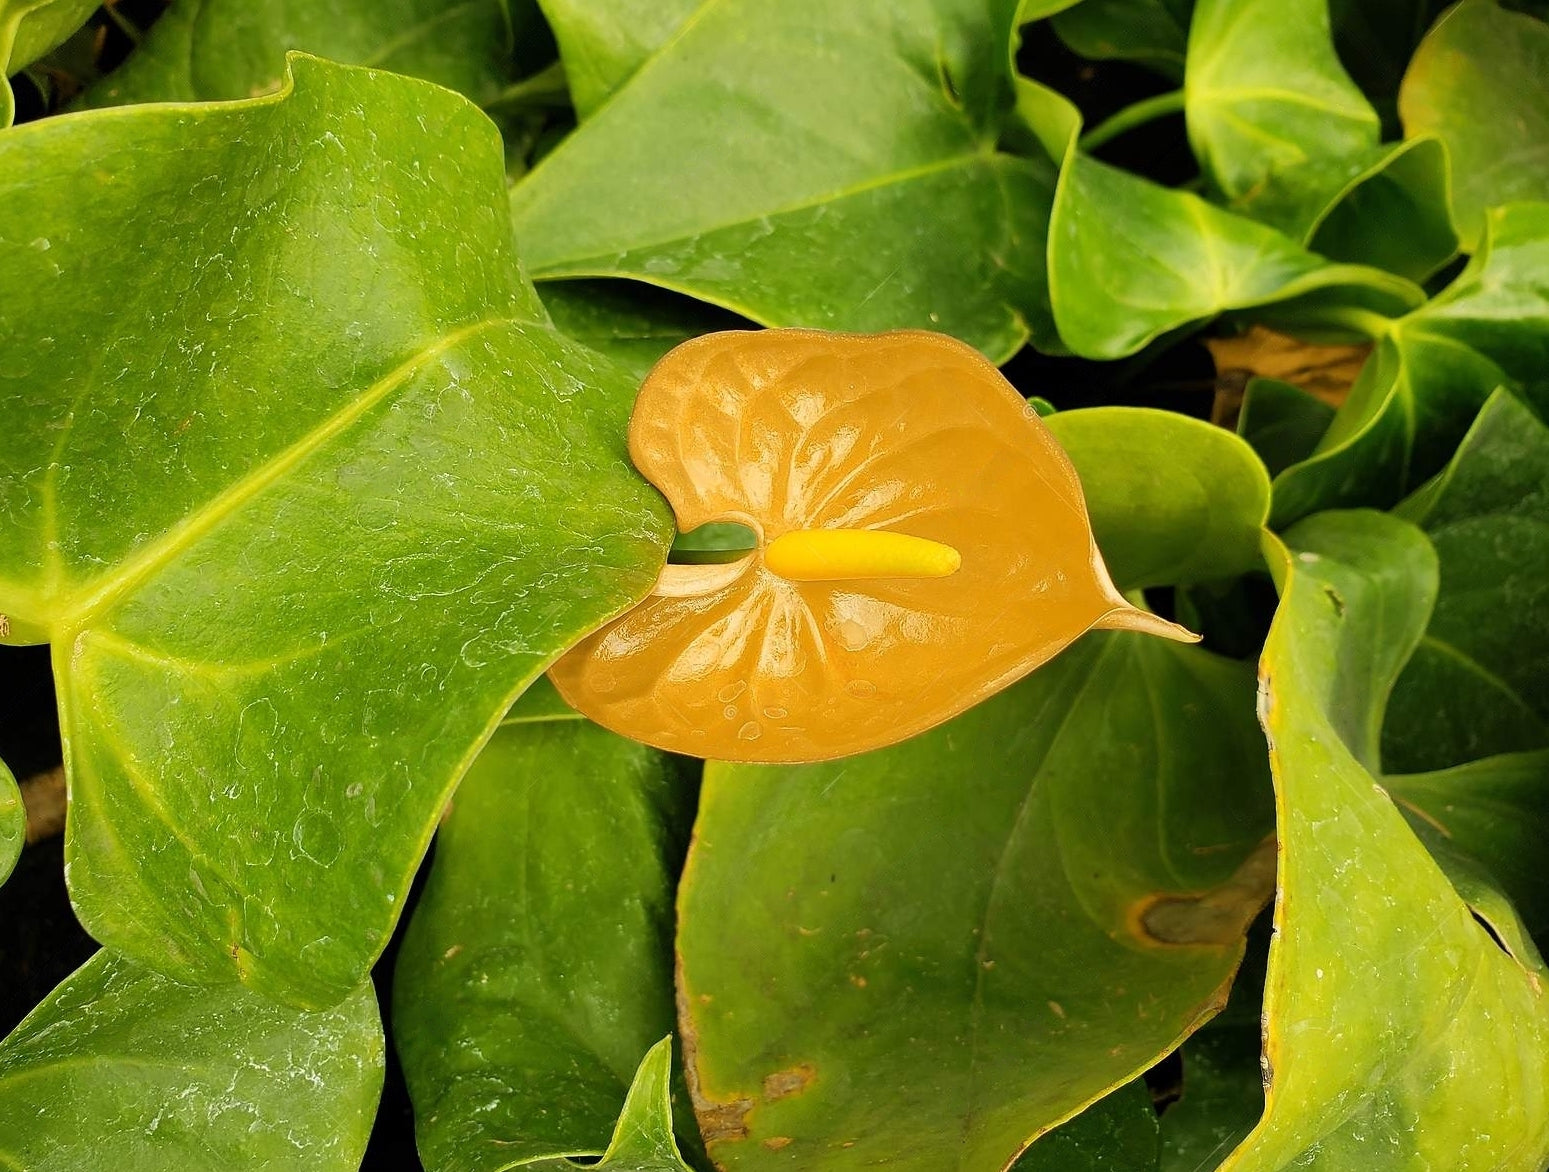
x: 922, y: 543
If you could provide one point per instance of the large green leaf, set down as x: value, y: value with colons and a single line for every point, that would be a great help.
x: 1130, y: 260
x: 1478, y: 683
x: 122, y: 1068
x: 1495, y: 811
x: 1264, y: 91
x: 603, y: 42
x: 632, y: 324
x: 974, y: 934
x: 204, y: 50
x: 1477, y: 83
x: 13, y: 822
x: 809, y: 164
x: 1155, y: 32
x: 303, y: 489
x: 538, y: 966
x: 1432, y: 372
x: 1173, y: 500
x: 1398, y: 1034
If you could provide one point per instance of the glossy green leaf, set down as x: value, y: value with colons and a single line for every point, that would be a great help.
x: 1154, y: 32
x: 967, y: 935
x: 1495, y: 811
x: 207, y: 50
x: 538, y: 966
x: 1173, y: 499
x: 1130, y: 260
x: 1264, y: 91
x: 13, y: 822
x: 1387, y: 206
x: 302, y: 508
x: 1432, y: 372
x: 1398, y: 1034
x: 1281, y: 422
x: 643, y: 1141
x: 604, y: 42
x: 1477, y: 83
x: 632, y: 324
x: 1118, y: 1133
x: 720, y: 170
x: 1478, y: 683
x: 122, y: 1068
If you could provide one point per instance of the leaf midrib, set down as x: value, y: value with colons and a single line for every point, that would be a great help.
x: 94, y: 596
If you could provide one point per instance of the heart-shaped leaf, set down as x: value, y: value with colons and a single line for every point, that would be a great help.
x: 122, y: 1068
x: 976, y: 933
x: 290, y: 608
x: 719, y: 169
x: 1264, y: 91
x: 1397, y: 1033
x: 1432, y: 372
x: 1477, y: 83
x: 13, y: 823
x: 895, y: 482
x: 207, y: 50
x: 1478, y: 683
x: 538, y: 966
x: 1130, y: 260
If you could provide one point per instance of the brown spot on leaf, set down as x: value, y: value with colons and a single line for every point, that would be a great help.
x: 1216, y: 917
x: 775, y: 1142
x: 782, y: 1084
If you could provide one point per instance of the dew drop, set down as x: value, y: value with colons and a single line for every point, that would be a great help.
x: 776, y: 713
x: 852, y: 635
x: 731, y: 691
x: 750, y: 731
